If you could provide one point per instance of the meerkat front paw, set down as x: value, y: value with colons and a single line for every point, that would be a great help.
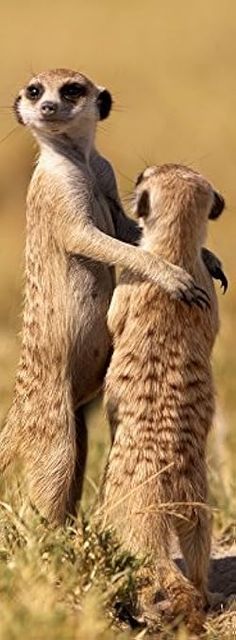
x: 218, y: 274
x: 214, y: 266
x: 181, y: 286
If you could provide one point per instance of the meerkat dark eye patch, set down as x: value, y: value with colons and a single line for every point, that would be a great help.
x: 143, y: 207
x: 217, y: 207
x: 72, y: 91
x: 16, y: 109
x: 104, y: 104
x: 34, y: 91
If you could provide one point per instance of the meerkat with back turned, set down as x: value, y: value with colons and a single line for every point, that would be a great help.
x: 73, y: 216
x: 159, y: 395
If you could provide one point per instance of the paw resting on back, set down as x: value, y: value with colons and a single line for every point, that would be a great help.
x: 181, y: 286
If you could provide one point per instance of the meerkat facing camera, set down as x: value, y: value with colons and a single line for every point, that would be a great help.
x: 159, y: 395
x: 74, y: 218
x: 70, y: 251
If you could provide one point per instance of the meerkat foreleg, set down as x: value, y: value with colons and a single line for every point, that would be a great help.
x: 214, y: 266
x: 87, y: 240
x: 126, y: 229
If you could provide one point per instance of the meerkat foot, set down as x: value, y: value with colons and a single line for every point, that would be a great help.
x: 154, y: 615
x: 180, y: 605
x: 192, y: 616
x: 183, y: 604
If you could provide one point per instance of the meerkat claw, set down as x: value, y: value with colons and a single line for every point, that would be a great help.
x: 223, y: 280
x: 202, y: 302
x: 201, y: 298
x: 198, y: 303
x: 197, y: 296
x: 202, y: 292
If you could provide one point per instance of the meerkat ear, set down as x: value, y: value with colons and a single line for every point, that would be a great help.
x: 143, y: 207
x: 104, y: 104
x: 217, y: 207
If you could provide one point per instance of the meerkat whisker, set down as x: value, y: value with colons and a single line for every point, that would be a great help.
x: 8, y: 135
x: 124, y: 175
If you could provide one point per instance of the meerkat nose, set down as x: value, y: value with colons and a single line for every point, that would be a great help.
x: 48, y: 108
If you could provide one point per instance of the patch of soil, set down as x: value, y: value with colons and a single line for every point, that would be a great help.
x: 222, y: 574
x: 221, y: 622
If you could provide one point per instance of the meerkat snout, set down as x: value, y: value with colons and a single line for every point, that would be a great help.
x: 48, y: 109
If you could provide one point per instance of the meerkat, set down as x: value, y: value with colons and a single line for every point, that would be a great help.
x: 74, y: 218
x: 159, y: 395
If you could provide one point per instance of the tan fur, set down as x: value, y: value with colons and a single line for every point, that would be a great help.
x: 73, y: 212
x: 159, y: 397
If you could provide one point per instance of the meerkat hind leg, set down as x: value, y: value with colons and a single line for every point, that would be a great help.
x: 180, y: 597
x: 51, y: 472
x: 10, y: 439
x: 195, y: 543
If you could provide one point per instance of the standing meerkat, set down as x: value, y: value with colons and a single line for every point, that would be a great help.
x: 159, y: 395
x: 73, y: 214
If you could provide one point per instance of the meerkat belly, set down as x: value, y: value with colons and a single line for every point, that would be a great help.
x: 91, y: 339
x: 91, y: 287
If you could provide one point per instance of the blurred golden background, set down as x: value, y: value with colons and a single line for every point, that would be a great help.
x: 171, y: 68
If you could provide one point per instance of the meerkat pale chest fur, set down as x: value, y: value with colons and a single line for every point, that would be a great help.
x: 74, y: 218
x: 159, y: 394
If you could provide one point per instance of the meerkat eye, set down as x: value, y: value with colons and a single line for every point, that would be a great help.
x: 72, y: 91
x: 34, y: 92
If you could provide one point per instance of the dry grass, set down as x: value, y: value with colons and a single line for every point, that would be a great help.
x: 171, y: 68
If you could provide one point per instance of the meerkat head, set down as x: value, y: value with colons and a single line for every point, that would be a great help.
x: 58, y: 100
x: 173, y: 195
